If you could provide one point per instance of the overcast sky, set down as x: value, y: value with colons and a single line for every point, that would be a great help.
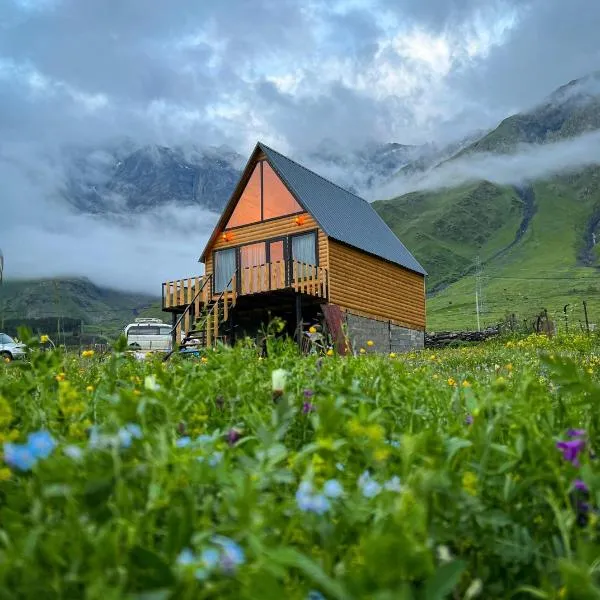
x: 288, y: 72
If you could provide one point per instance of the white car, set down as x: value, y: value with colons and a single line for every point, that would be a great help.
x: 11, y: 350
x: 149, y: 335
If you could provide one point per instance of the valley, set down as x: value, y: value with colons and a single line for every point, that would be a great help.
x: 528, y: 245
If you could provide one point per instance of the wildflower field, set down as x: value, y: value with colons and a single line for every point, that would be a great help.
x: 464, y: 473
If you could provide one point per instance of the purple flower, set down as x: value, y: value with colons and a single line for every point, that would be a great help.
x: 575, y: 433
x: 571, y: 450
x: 308, y: 407
x: 469, y: 419
x: 580, y: 485
x: 308, y: 393
x: 233, y: 437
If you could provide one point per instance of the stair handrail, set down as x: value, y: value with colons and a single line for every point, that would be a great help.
x: 189, y: 306
x: 216, y: 302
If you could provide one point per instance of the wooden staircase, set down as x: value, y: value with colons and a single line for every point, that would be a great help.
x: 206, y: 328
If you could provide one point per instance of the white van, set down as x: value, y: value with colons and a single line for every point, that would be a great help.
x: 149, y: 335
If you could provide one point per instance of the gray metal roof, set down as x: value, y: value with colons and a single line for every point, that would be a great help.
x: 342, y: 215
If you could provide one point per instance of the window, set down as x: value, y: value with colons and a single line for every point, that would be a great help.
x: 277, y: 200
x: 4, y: 339
x: 248, y: 208
x: 143, y: 330
x: 224, y: 269
x: 264, y: 197
x: 253, y: 255
x: 165, y: 331
x: 304, y: 248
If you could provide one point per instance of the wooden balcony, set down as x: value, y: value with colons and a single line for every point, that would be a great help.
x: 178, y: 294
x: 284, y: 275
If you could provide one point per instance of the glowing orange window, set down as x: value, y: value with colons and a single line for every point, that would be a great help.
x: 247, y: 209
x: 277, y: 200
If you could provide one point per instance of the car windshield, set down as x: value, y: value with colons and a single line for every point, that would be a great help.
x: 6, y: 339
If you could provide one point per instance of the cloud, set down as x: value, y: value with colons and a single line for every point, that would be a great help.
x: 41, y: 237
x: 528, y: 163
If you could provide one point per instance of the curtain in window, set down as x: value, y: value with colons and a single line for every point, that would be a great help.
x: 224, y: 268
x: 253, y: 255
x: 303, y: 248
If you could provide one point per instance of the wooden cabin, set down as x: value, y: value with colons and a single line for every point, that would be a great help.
x: 294, y: 245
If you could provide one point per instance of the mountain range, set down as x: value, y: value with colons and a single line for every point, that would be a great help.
x: 485, y: 213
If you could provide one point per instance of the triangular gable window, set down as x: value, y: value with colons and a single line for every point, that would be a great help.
x: 248, y: 209
x: 264, y: 197
x: 277, y: 200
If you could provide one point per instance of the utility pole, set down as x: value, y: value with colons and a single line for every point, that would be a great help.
x: 478, y: 290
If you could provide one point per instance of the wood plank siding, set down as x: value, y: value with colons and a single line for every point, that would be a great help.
x: 259, y: 232
x: 373, y: 287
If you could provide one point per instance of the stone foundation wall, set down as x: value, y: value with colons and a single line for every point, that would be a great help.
x: 386, y: 336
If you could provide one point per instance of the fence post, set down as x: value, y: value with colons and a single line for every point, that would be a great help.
x: 587, y: 323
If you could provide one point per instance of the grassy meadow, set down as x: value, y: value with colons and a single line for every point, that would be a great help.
x: 465, y: 473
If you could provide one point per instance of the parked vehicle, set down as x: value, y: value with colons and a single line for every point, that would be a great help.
x: 11, y: 349
x: 149, y: 335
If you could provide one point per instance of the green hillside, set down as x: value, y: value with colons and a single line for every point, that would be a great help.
x: 101, y: 309
x: 535, y: 248
x: 447, y: 229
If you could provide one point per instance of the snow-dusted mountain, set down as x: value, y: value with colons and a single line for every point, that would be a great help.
x: 128, y: 179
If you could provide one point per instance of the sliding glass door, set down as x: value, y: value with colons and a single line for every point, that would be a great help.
x: 225, y: 267
x: 254, y: 268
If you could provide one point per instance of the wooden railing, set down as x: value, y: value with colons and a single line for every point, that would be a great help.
x: 180, y: 293
x: 309, y: 279
x: 302, y: 277
x: 218, y: 312
x: 192, y: 309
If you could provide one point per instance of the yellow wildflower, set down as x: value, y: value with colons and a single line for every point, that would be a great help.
x: 44, y: 339
x: 370, y: 343
x: 392, y: 355
x: 355, y: 427
x: 466, y: 384
x: 87, y: 353
x: 432, y: 357
x: 362, y: 351
x: 312, y: 330
x: 330, y: 352
x: 381, y: 454
x: 469, y: 483
x: 5, y: 474
x: 325, y: 443
x: 451, y: 381
x: 60, y: 377
x: 204, y: 359
x: 375, y: 432
x: 6, y: 415
x: 89, y: 388
x: 7, y: 359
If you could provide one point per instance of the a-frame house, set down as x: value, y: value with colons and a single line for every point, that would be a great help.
x: 294, y: 245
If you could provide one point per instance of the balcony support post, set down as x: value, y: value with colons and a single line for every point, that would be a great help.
x: 299, y: 318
